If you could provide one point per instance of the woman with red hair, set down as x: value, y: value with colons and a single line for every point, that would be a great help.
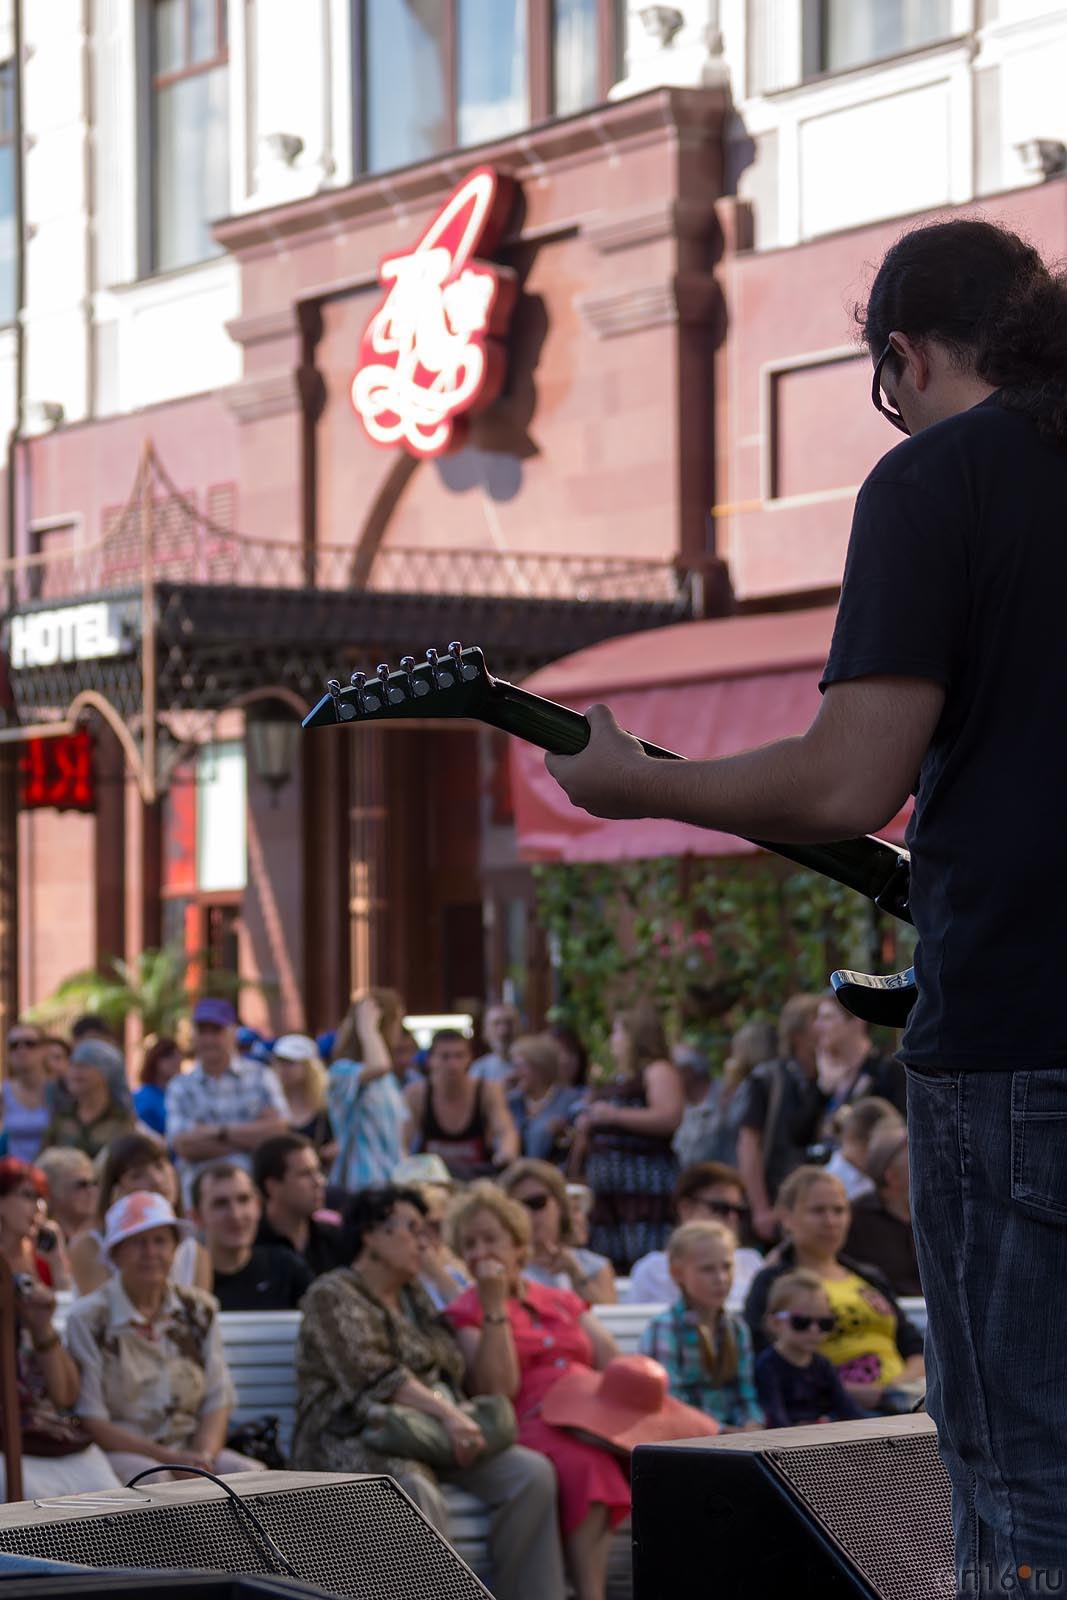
x: 58, y: 1457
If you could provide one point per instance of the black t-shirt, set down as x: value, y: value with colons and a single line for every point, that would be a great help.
x: 273, y: 1280
x: 326, y: 1246
x: 956, y: 572
x: 877, y: 1236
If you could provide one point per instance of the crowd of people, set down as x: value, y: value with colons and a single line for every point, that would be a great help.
x: 447, y: 1222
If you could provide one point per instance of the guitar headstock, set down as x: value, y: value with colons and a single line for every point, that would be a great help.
x: 453, y: 685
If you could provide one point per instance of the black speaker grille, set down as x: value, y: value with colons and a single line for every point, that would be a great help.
x: 887, y: 1503
x: 363, y: 1540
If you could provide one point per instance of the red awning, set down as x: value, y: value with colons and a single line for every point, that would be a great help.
x: 704, y: 689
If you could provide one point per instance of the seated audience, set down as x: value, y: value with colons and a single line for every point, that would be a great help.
x: 370, y: 1339
x: 368, y: 1114
x: 500, y: 1027
x: 855, y: 1124
x: 226, y: 1105
x: 443, y: 1274
x: 25, y: 1091
x: 137, y: 1162
x: 876, y: 1350
x: 247, y: 1276
x: 290, y: 1180
x: 707, y: 1192
x: 624, y: 1135
x: 297, y: 1062
x: 782, y: 1108
x: 795, y: 1382
x: 543, y: 1108
x: 705, y: 1349
x: 709, y: 1126
x: 96, y: 1106
x: 518, y: 1339
x: 73, y: 1190
x: 463, y: 1120
x: 881, y: 1230
x: 58, y: 1456
x: 154, y: 1382
x: 555, y: 1259
x: 162, y: 1062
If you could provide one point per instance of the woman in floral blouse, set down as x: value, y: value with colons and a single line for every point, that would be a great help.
x: 154, y: 1382
x: 371, y: 1338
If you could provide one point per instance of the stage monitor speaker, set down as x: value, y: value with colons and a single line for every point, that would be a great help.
x: 843, y: 1509
x: 167, y: 1585
x: 358, y: 1537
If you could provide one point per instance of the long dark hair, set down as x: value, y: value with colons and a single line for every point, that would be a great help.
x: 987, y: 295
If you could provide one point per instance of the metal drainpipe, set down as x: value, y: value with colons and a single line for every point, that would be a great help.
x: 9, y: 923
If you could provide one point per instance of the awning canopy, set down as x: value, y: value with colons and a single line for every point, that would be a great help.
x: 704, y: 689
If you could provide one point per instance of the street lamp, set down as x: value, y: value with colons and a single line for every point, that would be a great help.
x: 273, y: 738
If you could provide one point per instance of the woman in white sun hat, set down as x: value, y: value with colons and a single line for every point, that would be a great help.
x: 154, y: 1382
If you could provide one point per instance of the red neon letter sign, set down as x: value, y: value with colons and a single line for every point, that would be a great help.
x: 430, y: 355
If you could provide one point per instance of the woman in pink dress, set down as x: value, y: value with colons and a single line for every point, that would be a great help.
x: 518, y: 1339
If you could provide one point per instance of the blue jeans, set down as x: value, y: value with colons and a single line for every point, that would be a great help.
x: 988, y: 1153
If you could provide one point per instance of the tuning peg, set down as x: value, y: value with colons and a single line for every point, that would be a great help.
x: 342, y: 709
x: 358, y: 681
x: 464, y: 670
x: 439, y: 682
x: 416, y: 686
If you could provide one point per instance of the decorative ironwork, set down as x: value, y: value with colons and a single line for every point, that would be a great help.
x: 212, y: 615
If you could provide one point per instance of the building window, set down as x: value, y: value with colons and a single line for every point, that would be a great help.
x: 190, y: 134
x: 8, y: 157
x: 851, y: 33
x: 575, y: 55
x: 442, y: 74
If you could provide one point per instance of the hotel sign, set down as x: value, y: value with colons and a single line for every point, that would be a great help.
x: 87, y: 632
x: 431, y: 355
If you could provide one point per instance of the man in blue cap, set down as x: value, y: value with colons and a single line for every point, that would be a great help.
x: 227, y: 1104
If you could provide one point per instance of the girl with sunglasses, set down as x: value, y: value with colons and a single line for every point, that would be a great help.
x: 796, y: 1383
x: 705, y: 1349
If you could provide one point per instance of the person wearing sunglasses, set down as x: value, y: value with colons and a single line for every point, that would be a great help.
x: 73, y: 1191
x: 26, y: 1100
x: 795, y: 1382
x: 555, y: 1259
x: 708, y: 1191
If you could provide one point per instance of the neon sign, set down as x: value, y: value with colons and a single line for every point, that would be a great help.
x: 58, y: 772
x: 431, y: 355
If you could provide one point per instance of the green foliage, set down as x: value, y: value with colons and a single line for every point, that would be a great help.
x: 713, y: 943
x: 155, y: 987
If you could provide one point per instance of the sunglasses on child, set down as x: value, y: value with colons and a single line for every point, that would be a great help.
x: 801, y: 1324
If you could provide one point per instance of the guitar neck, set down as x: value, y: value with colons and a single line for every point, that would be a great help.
x: 870, y: 866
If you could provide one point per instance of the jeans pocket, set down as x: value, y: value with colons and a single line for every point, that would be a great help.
x: 1039, y: 1141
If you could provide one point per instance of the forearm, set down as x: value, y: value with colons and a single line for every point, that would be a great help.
x: 248, y: 1135
x: 782, y: 792
x: 495, y: 1367
x: 62, y: 1380
x: 374, y: 1055
x: 750, y: 1165
x: 415, y: 1394
x: 637, y: 1119
x: 110, y: 1436
x: 199, y: 1143
x: 210, y: 1434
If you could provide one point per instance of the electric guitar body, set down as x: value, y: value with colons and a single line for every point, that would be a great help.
x: 458, y: 684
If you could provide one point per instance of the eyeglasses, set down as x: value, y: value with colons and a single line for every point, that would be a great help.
x: 24, y: 1044
x: 535, y: 1202
x: 890, y: 413
x: 721, y: 1208
x: 801, y: 1324
x: 86, y: 1183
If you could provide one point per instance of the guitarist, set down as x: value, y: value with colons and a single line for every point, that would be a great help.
x: 947, y: 675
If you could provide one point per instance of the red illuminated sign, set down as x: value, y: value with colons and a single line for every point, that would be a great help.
x: 431, y: 354
x: 58, y: 772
